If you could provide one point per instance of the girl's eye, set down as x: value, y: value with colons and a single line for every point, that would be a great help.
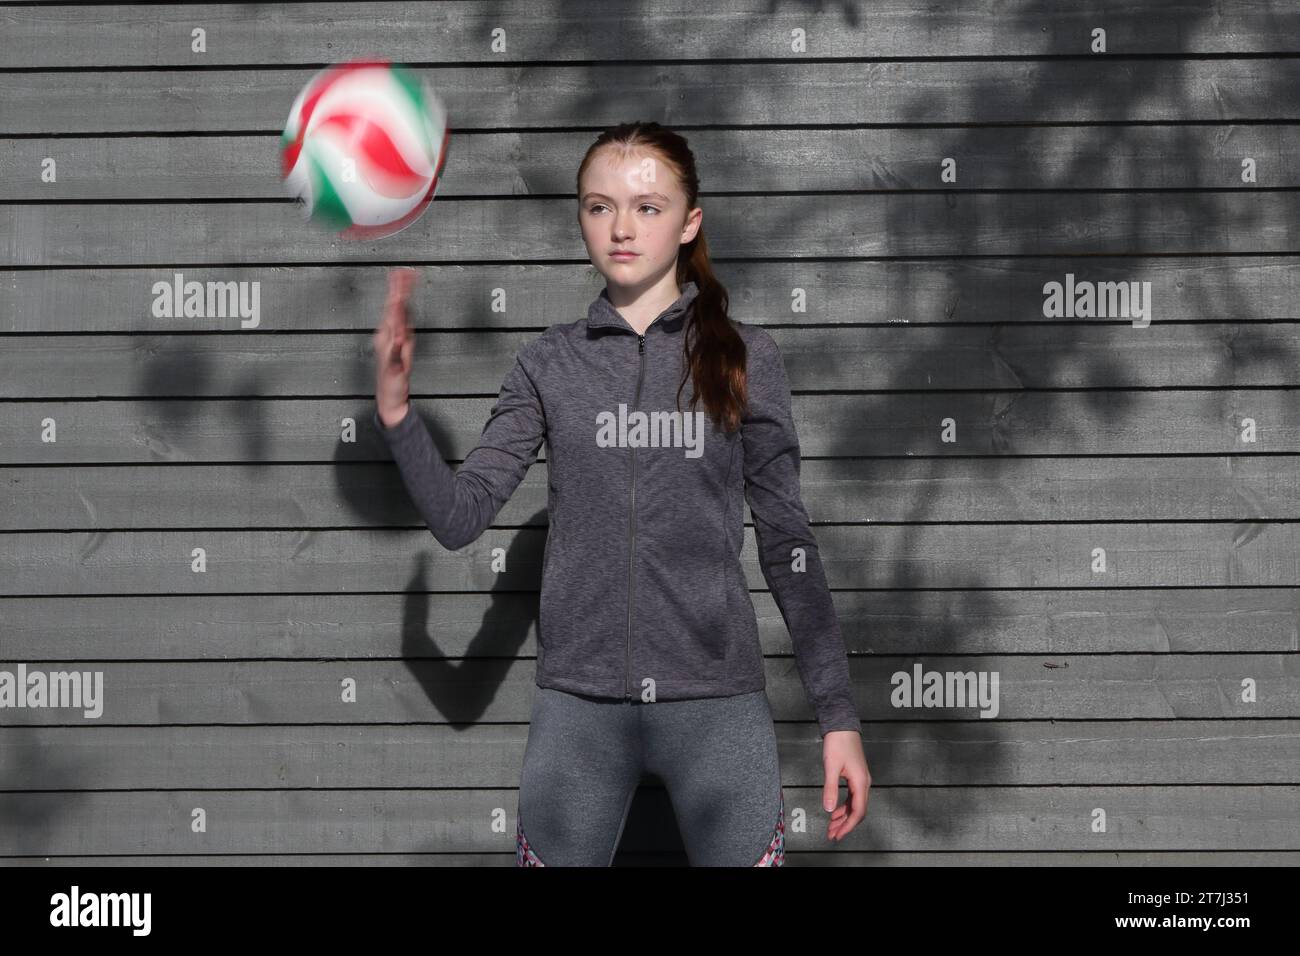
x: 601, y: 205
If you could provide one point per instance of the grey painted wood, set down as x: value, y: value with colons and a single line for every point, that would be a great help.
x: 1120, y: 690
x: 263, y: 431
x: 424, y: 754
x: 1183, y: 554
x: 835, y: 491
x: 852, y: 225
x: 221, y: 168
x: 782, y: 92
x: 592, y: 30
x: 1110, y: 354
x: 418, y: 620
x: 1033, y: 687
x: 453, y: 821
x: 897, y: 621
x: 899, y: 293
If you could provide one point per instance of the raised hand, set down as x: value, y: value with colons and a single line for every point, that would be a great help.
x: 394, y: 345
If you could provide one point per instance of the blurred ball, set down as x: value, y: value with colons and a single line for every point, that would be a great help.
x: 364, y: 148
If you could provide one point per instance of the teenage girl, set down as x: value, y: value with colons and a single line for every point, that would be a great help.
x: 648, y: 653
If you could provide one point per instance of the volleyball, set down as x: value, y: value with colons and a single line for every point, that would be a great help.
x: 364, y: 148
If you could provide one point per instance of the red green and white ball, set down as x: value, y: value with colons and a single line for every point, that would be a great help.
x: 364, y: 148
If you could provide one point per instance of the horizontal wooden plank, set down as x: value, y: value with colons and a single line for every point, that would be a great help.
x: 835, y: 491
x: 888, y: 620
x: 986, y: 819
x: 551, y: 30
x: 509, y: 230
x: 899, y: 293
x: 543, y: 163
x: 267, y: 431
x: 777, y: 92
x: 847, y: 358
x: 904, y: 753
x: 1033, y: 687
x: 1185, y: 555
x: 350, y: 297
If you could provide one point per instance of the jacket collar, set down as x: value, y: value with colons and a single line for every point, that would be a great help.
x: 602, y: 314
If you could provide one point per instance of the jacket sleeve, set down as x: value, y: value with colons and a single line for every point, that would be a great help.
x: 771, y: 448
x: 458, y: 505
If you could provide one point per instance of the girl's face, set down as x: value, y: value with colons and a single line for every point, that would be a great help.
x: 634, y: 202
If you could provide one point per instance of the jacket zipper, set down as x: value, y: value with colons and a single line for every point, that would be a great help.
x: 631, y: 525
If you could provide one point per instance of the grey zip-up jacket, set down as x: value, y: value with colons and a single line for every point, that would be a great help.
x: 642, y: 578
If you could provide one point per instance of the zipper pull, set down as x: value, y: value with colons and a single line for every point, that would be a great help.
x: 640, y: 343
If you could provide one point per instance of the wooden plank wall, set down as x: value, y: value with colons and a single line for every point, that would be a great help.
x: 1099, y: 509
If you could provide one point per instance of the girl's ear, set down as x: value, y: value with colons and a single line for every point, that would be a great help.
x: 691, y: 227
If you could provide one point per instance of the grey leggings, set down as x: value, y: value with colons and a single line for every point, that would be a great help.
x: 586, y: 755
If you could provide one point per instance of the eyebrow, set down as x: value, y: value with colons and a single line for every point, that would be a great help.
x: 590, y: 195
